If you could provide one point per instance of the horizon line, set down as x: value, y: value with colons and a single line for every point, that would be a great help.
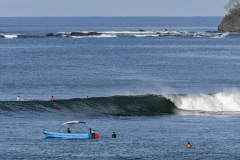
x: 96, y: 16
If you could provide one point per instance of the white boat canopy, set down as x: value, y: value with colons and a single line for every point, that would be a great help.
x: 73, y: 122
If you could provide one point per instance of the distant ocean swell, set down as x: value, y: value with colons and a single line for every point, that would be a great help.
x: 142, y: 105
x: 113, y: 34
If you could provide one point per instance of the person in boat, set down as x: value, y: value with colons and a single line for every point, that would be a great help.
x: 114, y: 135
x: 18, y: 98
x: 68, y: 130
x: 52, y: 98
x: 93, y: 133
x: 189, y: 145
x: 90, y: 130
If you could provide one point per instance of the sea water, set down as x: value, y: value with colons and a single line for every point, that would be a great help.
x: 158, y: 82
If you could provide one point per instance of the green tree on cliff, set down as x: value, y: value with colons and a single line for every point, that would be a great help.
x: 232, y: 5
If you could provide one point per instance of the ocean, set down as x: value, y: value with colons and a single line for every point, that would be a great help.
x: 158, y: 82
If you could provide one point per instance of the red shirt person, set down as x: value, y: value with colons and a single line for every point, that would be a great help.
x: 52, y: 98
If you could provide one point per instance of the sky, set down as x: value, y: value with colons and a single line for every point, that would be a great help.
x: 111, y: 8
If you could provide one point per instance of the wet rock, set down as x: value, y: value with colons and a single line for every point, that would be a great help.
x: 141, y: 30
x: 50, y: 34
x: 85, y: 34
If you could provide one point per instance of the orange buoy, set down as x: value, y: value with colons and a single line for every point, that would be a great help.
x: 96, y: 136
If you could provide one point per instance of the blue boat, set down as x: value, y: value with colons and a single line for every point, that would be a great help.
x: 67, y: 128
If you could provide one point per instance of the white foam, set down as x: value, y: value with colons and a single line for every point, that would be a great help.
x: 11, y: 36
x: 198, y: 36
x: 146, y: 35
x: 98, y: 36
x: 175, y: 32
x: 169, y: 32
x: 157, y: 33
x: 105, y: 36
x: 227, y: 101
x: 224, y: 35
x: 78, y: 36
x: 129, y: 32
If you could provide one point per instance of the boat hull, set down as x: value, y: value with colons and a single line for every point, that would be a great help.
x: 68, y: 135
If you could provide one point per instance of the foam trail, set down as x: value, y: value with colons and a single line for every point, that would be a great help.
x: 11, y: 36
x: 105, y: 36
x: 220, y: 102
x: 146, y: 35
x: 100, y: 36
x: 224, y: 35
x: 129, y: 32
x: 197, y: 36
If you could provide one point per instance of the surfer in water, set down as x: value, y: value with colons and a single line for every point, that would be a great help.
x: 189, y: 145
x: 52, y: 99
x: 18, y: 98
x: 114, y: 135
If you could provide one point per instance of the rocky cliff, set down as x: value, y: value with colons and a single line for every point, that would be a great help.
x: 231, y: 22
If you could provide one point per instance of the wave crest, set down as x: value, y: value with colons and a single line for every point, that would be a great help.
x: 227, y: 101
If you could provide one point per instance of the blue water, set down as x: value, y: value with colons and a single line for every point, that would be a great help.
x: 176, y: 80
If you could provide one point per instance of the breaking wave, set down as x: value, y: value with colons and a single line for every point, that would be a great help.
x: 140, y: 105
x: 228, y: 101
x: 136, y: 34
x: 10, y: 36
x: 100, y: 106
x: 13, y: 36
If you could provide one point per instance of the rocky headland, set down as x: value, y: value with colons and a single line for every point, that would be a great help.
x: 231, y: 22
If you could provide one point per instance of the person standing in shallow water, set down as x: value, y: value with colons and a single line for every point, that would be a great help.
x: 18, y: 98
x: 52, y: 98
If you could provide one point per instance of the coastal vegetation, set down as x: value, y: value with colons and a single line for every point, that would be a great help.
x: 232, y: 5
